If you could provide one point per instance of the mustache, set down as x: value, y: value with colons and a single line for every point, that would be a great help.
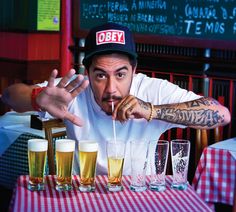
x: 110, y: 97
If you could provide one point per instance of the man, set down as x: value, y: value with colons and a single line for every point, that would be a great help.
x: 144, y: 107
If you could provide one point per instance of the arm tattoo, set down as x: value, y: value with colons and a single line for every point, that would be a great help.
x: 143, y: 105
x: 201, y: 117
x: 201, y: 101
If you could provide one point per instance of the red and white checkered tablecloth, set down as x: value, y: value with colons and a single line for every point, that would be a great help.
x: 215, y: 176
x: 102, y: 200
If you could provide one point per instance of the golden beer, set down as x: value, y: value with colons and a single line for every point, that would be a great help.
x: 88, y: 160
x: 64, y: 163
x: 115, y: 160
x: 37, y: 162
x: 37, y: 152
x: 64, y: 167
x: 115, y: 169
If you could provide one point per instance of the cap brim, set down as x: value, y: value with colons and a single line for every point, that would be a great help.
x: 109, y: 51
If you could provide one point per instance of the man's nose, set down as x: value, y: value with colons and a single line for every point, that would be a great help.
x: 111, y: 85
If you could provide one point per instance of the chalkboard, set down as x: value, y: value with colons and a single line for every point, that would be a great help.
x: 203, y: 23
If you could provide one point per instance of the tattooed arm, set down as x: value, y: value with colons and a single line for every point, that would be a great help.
x: 203, y: 113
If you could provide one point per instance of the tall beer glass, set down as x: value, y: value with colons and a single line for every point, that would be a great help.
x: 180, y: 151
x: 139, y: 150
x: 115, y: 157
x: 37, y: 151
x: 158, y: 158
x: 88, y: 160
x: 64, y: 159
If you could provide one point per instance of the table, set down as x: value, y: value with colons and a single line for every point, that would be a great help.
x: 12, y: 125
x: 214, y: 179
x: 102, y: 200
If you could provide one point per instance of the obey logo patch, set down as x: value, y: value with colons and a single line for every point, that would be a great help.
x: 110, y: 36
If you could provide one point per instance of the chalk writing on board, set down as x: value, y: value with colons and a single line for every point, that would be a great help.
x: 214, y: 19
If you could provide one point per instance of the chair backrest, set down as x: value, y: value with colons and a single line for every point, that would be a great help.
x: 202, y: 141
x: 50, y: 136
x: 49, y: 127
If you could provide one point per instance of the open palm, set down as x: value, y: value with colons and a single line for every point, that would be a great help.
x: 55, y: 99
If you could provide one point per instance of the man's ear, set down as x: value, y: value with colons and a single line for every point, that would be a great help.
x: 134, y: 69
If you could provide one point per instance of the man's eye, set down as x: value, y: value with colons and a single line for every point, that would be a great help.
x: 121, y: 75
x: 101, y: 76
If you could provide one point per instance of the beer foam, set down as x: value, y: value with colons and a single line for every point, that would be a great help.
x: 37, y: 145
x: 65, y: 145
x: 88, y: 146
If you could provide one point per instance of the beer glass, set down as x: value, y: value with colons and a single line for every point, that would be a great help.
x: 88, y: 159
x: 115, y: 157
x: 64, y: 162
x: 37, y: 152
x: 158, y: 161
x: 139, y: 157
x: 180, y: 150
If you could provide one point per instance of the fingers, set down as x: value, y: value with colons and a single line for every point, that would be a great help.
x: 125, y: 109
x: 64, y: 81
x: 74, y: 119
x: 75, y: 83
x: 118, y: 107
x: 80, y: 88
x: 129, y: 113
x: 52, y: 78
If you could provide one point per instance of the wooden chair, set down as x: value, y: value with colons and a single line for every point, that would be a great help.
x: 48, y: 126
x: 202, y: 141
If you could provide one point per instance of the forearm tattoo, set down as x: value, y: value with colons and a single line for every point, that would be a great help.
x: 143, y: 105
x: 192, y: 114
x: 201, y: 101
x: 201, y: 117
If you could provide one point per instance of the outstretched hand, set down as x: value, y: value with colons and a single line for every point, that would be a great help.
x: 55, y: 99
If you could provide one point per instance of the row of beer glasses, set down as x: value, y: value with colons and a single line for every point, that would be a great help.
x: 65, y: 148
x: 88, y: 151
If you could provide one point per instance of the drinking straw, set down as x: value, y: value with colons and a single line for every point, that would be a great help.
x: 113, y: 123
x: 114, y: 128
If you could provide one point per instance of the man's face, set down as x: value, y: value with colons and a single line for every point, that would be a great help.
x: 110, y: 78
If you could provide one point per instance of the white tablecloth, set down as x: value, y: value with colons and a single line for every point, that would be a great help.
x: 12, y: 125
